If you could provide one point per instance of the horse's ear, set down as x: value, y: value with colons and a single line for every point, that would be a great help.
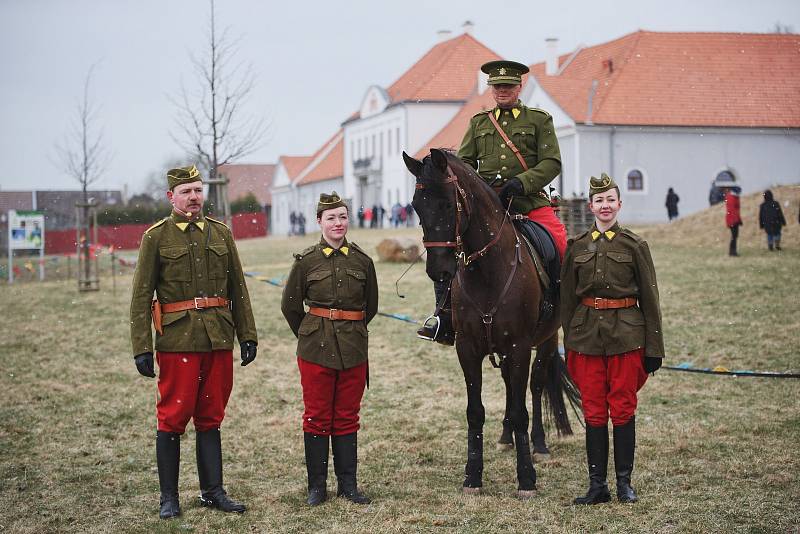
x: 439, y: 159
x: 413, y: 166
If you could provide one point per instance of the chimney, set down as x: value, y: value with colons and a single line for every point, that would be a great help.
x: 551, y: 49
x: 443, y: 35
x: 468, y: 26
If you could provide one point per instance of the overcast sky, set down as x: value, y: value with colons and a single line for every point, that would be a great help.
x: 313, y: 60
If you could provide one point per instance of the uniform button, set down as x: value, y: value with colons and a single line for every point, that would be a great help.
x: 198, y: 259
x: 599, y: 253
x: 199, y: 276
x: 599, y: 270
x: 502, y: 145
x: 601, y: 317
x: 505, y: 123
x: 502, y: 156
x: 504, y: 168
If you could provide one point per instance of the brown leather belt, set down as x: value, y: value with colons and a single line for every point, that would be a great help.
x: 337, y: 315
x: 196, y: 303
x: 599, y: 303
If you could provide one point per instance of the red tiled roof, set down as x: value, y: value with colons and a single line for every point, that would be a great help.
x: 249, y: 178
x: 295, y: 164
x: 683, y: 79
x: 451, y: 135
x: 331, y: 165
x: 449, y: 71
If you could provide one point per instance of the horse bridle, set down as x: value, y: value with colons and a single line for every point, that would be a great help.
x: 458, y: 244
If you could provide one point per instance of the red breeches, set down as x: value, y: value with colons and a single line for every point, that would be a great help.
x: 332, y: 398
x: 547, y: 217
x: 193, y: 385
x: 608, y: 385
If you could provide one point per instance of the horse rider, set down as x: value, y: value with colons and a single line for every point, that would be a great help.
x: 336, y: 279
x: 612, y: 333
x: 514, y: 148
x: 191, y: 263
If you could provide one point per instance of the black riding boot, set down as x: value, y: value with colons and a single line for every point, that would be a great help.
x: 168, y: 458
x: 345, y: 462
x: 624, y: 446
x: 439, y: 327
x: 317, y: 467
x: 597, y: 457
x: 209, y: 470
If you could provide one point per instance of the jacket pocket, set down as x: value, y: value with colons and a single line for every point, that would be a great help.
x: 525, y: 139
x: 309, y: 325
x: 484, y: 140
x: 620, y: 270
x: 319, y: 286
x: 217, y: 261
x: 356, y: 281
x: 170, y: 318
x: 579, y: 317
x: 175, y: 264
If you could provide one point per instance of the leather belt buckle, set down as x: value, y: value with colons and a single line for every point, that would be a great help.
x: 196, y: 307
x: 331, y: 313
x: 597, y: 301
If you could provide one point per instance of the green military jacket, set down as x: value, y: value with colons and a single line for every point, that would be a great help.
x: 531, y: 130
x: 329, y: 278
x: 181, y: 260
x: 616, y: 265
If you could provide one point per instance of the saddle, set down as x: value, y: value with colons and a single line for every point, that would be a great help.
x: 542, y: 248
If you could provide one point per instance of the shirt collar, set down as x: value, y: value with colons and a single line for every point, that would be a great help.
x: 328, y: 250
x: 609, y: 234
x: 515, y: 111
x: 183, y: 222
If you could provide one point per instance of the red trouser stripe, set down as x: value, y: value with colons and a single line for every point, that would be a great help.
x: 332, y: 398
x: 547, y: 217
x: 193, y: 385
x: 608, y: 385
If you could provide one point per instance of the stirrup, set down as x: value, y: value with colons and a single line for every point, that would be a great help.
x: 434, y: 320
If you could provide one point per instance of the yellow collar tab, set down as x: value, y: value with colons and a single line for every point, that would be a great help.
x: 327, y: 251
x: 184, y: 225
x: 608, y: 233
x: 514, y: 111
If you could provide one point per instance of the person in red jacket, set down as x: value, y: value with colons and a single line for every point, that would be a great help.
x: 733, y: 218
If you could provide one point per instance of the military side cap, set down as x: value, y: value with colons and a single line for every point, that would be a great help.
x: 505, y: 72
x: 329, y: 202
x: 183, y: 175
x: 601, y: 185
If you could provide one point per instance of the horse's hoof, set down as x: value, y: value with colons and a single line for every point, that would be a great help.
x: 471, y: 491
x: 540, y: 457
x: 524, y: 495
x: 501, y: 446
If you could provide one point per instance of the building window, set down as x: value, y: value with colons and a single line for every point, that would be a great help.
x: 381, y: 145
x: 397, y: 144
x: 635, y: 180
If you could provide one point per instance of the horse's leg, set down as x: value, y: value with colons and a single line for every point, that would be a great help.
x: 541, y: 369
x: 526, y: 474
x: 473, y: 471
x: 506, y: 441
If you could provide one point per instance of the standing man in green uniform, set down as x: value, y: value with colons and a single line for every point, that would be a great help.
x: 191, y: 263
x: 612, y: 333
x: 515, y: 150
x: 336, y: 280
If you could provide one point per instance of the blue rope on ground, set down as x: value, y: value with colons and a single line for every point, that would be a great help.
x: 685, y: 367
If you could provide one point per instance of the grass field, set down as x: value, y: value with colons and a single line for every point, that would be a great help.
x: 716, y: 454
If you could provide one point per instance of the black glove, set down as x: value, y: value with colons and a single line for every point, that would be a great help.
x: 248, y: 352
x: 651, y: 365
x: 144, y: 364
x: 512, y: 188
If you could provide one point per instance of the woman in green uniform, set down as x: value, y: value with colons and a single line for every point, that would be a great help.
x: 336, y: 280
x: 612, y: 334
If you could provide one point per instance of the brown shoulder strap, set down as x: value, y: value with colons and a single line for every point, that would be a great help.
x: 508, y: 141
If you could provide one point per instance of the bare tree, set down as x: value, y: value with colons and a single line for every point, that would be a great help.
x: 782, y: 28
x: 83, y: 155
x: 211, y: 119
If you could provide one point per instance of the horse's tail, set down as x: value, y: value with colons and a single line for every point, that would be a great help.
x: 559, y: 384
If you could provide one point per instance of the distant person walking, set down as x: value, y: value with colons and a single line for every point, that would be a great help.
x: 771, y: 220
x: 733, y: 218
x: 672, y: 204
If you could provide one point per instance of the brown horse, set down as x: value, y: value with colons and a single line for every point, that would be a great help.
x: 496, y: 295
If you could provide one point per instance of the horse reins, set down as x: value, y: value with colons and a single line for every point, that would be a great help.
x: 458, y: 245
